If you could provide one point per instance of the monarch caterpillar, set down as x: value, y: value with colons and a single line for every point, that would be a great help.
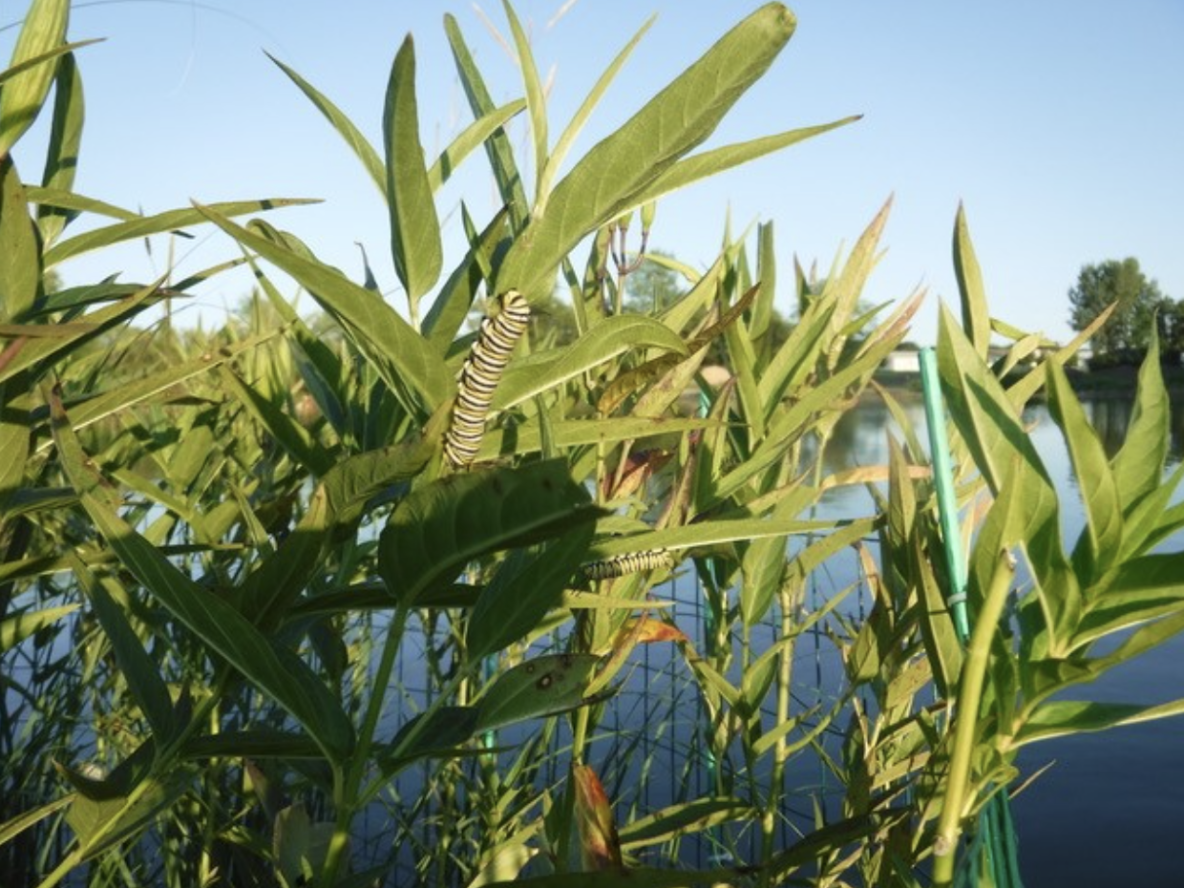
x: 633, y: 562
x: 479, y: 377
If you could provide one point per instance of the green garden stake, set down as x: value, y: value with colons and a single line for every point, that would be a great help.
x: 994, y: 844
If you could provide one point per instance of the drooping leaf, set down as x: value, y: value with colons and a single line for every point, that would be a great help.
x: 546, y: 685
x: 442, y: 526
x: 408, y: 364
x: 519, y: 596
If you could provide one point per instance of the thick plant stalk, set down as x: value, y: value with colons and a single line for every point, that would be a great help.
x: 970, y: 693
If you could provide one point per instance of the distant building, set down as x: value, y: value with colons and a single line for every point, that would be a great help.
x: 902, y: 360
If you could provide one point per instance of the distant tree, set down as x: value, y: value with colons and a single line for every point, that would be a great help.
x: 555, y: 319
x: 1170, y: 322
x: 652, y: 286
x: 1124, y: 338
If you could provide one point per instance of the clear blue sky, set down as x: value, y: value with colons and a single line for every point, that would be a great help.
x: 1059, y: 124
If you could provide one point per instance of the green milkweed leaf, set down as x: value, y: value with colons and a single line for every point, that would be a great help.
x: 144, y: 681
x: 614, y: 175
x: 520, y: 595
x: 20, y: 255
x: 65, y: 139
x: 1101, y: 541
x: 39, y: 42
x: 497, y: 147
x: 709, y: 163
x: 415, y: 229
x: 1061, y: 717
x: 345, y: 127
x: 142, y: 226
x: 580, y: 118
x: 472, y: 136
x: 1138, y: 465
x: 536, y: 102
x: 440, y: 527
x: 16, y: 628
x: 542, y: 686
x: 975, y: 319
x: 611, y: 337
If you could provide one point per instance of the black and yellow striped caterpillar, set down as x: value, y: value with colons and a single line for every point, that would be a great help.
x: 479, y: 377
x: 632, y: 562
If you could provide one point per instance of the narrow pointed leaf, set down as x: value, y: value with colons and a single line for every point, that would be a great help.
x: 415, y: 229
x: 975, y: 319
x: 42, y: 31
x: 65, y: 140
x: 1102, y: 538
x: 580, y: 118
x: 497, y: 147
x: 717, y: 160
x: 144, y: 681
x: 345, y: 127
x: 473, y: 136
x: 19, y: 626
x: 608, y: 339
x: 166, y: 221
x: 536, y: 101
x: 1138, y: 465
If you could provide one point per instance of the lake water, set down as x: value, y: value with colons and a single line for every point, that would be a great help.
x: 1109, y: 811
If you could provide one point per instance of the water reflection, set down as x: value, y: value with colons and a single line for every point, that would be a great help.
x: 860, y: 436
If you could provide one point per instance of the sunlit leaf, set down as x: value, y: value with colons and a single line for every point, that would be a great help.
x: 42, y: 32
x: 415, y: 230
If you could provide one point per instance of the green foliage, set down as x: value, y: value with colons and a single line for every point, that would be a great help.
x: 1124, y: 338
x: 218, y: 547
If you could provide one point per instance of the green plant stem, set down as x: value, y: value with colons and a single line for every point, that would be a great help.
x: 347, y: 784
x: 974, y: 672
